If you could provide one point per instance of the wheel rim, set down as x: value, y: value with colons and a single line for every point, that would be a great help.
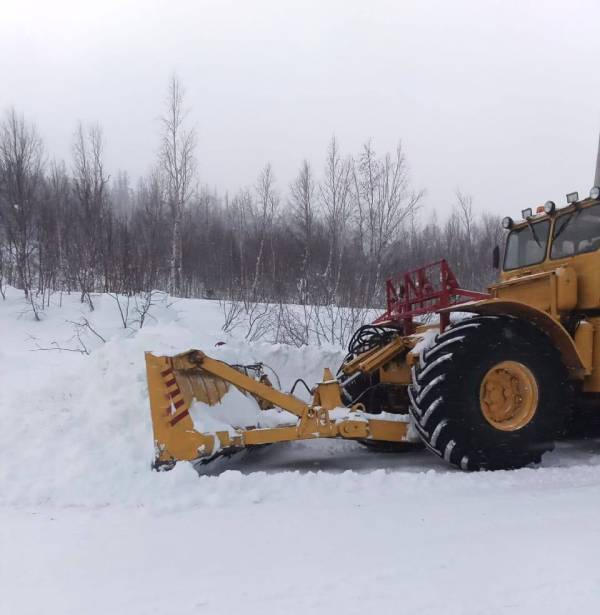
x: 508, y: 396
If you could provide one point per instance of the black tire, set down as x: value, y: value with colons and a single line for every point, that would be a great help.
x: 445, y: 394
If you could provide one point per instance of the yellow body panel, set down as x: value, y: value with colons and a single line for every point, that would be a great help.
x: 553, y: 291
x: 591, y: 384
x: 584, y: 267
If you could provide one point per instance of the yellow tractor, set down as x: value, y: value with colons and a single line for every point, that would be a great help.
x: 489, y: 388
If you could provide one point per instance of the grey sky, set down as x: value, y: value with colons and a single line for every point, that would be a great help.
x: 501, y: 99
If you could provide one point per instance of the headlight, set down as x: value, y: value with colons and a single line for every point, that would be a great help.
x: 572, y: 197
x: 527, y: 213
x: 549, y: 207
x: 507, y: 222
x: 595, y: 192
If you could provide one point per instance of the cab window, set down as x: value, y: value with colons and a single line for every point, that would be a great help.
x: 526, y: 245
x: 576, y: 232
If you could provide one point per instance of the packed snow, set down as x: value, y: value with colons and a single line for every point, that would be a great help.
x: 319, y: 527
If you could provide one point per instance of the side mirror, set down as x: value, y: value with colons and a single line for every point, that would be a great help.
x: 496, y: 257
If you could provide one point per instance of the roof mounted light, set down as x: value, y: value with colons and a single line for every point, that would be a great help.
x: 595, y: 192
x: 527, y: 213
x: 572, y: 197
x: 507, y: 222
x: 549, y: 207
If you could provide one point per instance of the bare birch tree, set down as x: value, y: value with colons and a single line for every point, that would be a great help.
x: 384, y: 202
x: 302, y: 207
x: 177, y: 161
x: 89, y: 186
x: 20, y: 177
x: 465, y: 211
x: 240, y: 213
x: 267, y: 201
x: 150, y: 219
x: 59, y: 192
x: 335, y: 199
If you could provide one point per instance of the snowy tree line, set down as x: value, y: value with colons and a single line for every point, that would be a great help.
x: 329, y: 239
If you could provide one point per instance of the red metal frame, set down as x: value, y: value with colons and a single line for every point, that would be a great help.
x: 424, y: 291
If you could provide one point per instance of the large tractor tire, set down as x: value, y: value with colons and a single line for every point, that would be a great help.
x: 490, y: 394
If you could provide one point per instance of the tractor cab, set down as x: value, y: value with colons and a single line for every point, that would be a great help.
x: 565, y: 240
x: 551, y: 234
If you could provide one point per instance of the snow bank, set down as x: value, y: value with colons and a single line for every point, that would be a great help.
x: 75, y: 429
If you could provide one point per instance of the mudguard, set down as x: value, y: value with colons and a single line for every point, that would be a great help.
x: 540, y: 319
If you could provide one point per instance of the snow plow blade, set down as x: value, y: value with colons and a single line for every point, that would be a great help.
x: 187, y: 389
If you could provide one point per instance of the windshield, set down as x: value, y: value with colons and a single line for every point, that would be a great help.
x: 576, y: 232
x: 526, y: 245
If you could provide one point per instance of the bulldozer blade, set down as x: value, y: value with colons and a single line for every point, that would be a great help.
x: 172, y: 392
x: 176, y: 383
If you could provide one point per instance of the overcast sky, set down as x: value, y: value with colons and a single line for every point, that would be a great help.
x: 501, y: 99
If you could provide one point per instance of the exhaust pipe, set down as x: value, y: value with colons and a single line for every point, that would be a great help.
x: 597, y: 175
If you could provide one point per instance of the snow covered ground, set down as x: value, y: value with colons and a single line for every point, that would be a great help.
x: 319, y: 527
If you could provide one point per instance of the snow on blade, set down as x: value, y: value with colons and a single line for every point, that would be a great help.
x: 236, y: 411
